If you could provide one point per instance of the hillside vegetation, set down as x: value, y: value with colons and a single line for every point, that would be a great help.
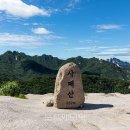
x: 36, y: 74
x: 15, y: 65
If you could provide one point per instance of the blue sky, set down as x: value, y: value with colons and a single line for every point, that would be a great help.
x: 66, y: 28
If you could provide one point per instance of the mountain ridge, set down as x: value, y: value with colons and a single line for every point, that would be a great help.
x: 22, y: 66
x: 119, y: 62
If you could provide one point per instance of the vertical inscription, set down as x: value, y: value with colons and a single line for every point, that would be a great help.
x: 70, y: 94
x: 71, y: 73
x: 71, y: 84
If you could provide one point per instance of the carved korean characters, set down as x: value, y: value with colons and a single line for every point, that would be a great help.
x: 68, y: 87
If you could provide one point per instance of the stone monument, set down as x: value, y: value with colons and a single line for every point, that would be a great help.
x: 68, y: 91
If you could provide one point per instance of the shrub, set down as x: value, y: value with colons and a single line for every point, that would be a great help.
x: 22, y: 96
x: 10, y: 88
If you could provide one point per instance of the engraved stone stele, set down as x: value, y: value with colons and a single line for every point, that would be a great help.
x: 68, y: 91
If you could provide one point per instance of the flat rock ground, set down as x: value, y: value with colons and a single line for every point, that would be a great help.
x: 100, y: 112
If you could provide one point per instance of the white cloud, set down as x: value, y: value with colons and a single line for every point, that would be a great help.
x: 72, y: 3
x: 41, y: 31
x: 65, y: 6
x: 115, y: 52
x: 18, y: 8
x: 35, y: 24
x: 105, y: 27
x: 7, y: 39
x: 89, y: 49
x: 17, y: 40
x: 79, y: 49
x: 88, y: 41
x: 26, y: 24
x: 108, y: 26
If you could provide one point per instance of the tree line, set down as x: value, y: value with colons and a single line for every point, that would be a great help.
x: 46, y: 84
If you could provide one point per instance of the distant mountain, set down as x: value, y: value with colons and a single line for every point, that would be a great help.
x: 15, y: 65
x: 97, y: 67
x: 119, y: 63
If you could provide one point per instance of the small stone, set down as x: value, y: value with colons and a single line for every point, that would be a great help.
x: 68, y: 87
x: 50, y: 103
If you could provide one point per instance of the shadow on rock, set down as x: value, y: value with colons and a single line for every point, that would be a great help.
x: 89, y: 106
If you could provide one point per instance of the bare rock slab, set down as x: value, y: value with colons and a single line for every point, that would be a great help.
x: 68, y: 91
